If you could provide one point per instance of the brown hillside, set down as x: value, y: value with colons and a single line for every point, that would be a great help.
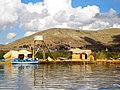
x: 74, y: 38
x: 1, y: 46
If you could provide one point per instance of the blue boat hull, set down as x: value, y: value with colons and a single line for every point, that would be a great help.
x: 26, y: 61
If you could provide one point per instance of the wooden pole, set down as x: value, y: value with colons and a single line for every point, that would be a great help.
x: 49, y: 50
x: 43, y: 53
x: 33, y: 56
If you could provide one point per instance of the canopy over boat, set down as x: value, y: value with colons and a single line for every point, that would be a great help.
x: 14, y: 54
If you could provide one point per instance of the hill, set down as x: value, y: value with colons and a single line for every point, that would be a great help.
x: 67, y: 38
x: 1, y: 46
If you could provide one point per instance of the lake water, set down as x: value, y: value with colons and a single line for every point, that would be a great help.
x: 59, y: 77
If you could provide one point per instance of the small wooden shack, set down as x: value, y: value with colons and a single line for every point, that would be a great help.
x: 82, y: 54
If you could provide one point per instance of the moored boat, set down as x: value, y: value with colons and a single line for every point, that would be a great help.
x: 25, y: 61
x: 22, y: 59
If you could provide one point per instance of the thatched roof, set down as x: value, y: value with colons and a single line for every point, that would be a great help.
x: 77, y: 50
x: 14, y: 54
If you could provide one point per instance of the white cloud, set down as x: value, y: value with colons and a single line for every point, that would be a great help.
x: 29, y: 33
x: 37, y: 7
x: 55, y: 6
x: 116, y: 26
x: 112, y: 11
x: 8, y: 13
x: 96, y: 25
x: 57, y: 15
x: 54, y: 13
x: 11, y: 35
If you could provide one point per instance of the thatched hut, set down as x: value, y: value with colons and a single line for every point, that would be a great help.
x: 15, y: 54
x: 82, y: 54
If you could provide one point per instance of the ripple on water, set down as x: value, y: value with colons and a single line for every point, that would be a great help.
x: 60, y: 77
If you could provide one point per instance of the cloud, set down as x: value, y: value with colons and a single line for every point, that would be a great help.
x: 29, y: 33
x: 54, y: 6
x: 96, y: 25
x: 112, y: 11
x: 8, y: 13
x: 116, y: 26
x: 11, y: 35
x: 106, y: 20
x: 54, y: 13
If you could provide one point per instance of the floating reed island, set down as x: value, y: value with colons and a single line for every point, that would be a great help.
x: 74, y: 61
x: 76, y: 56
x: 98, y: 61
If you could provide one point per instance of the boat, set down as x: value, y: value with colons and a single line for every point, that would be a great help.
x: 21, y: 62
x: 24, y: 56
x: 25, y: 61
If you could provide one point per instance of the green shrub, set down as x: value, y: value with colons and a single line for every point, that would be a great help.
x: 2, y: 53
x: 106, y: 54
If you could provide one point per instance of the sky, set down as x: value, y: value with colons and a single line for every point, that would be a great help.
x: 21, y: 18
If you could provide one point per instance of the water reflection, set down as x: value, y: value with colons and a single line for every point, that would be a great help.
x: 1, y: 71
x: 59, y: 76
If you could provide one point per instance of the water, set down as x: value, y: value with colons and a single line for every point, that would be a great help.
x: 59, y: 77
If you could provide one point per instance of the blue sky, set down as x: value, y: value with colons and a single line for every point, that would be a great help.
x: 21, y: 18
x: 104, y: 5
